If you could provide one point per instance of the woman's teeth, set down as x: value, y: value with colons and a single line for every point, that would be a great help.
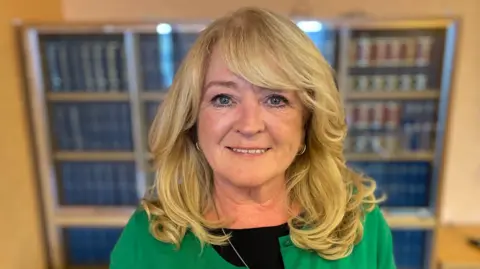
x: 249, y: 151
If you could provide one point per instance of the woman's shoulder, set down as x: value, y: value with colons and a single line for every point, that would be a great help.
x: 372, y: 212
x: 137, y: 247
x: 375, y: 220
x: 138, y: 229
x: 137, y: 226
x: 375, y: 225
x: 377, y: 240
x: 135, y: 232
x: 138, y: 219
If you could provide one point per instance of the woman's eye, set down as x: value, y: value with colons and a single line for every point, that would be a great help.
x: 276, y: 100
x: 222, y: 100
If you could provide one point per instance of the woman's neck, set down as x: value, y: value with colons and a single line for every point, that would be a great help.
x: 261, y: 206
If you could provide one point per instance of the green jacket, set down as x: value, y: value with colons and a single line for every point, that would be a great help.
x: 137, y: 249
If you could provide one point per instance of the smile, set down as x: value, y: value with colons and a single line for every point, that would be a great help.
x: 253, y: 151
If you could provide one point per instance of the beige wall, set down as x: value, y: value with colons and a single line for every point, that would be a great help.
x: 462, y: 169
x: 21, y: 242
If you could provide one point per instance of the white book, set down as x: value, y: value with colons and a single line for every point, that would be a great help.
x: 113, y: 48
x: 64, y: 67
x: 52, y: 53
x: 86, y: 62
x: 76, y: 127
x: 100, y: 76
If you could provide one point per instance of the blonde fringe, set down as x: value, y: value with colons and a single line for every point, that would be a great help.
x: 334, y: 198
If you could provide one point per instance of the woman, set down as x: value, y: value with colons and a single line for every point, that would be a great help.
x: 248, y: 153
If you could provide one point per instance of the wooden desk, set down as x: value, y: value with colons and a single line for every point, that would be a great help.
x: 453, y: 250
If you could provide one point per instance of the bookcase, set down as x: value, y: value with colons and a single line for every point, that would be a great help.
x: 94, y: 89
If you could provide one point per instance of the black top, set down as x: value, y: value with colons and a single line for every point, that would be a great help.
x: 258, y: 247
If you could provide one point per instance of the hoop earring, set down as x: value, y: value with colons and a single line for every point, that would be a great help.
x: 303, y: 150
x: 197, y: 146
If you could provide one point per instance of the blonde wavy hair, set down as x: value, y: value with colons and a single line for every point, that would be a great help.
x: 269, y: 51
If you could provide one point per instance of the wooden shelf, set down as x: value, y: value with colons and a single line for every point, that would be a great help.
x: 403, y: 218
x: 414, y: 156
x: 93, y: 216
x: 392, y: 96
x: 88, y: 96
x: 94, y: 156
x: 153, y: 95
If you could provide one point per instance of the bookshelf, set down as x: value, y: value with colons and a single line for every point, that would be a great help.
x: 94, y: 89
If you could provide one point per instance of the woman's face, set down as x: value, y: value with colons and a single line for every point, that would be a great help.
x: 249, y: 135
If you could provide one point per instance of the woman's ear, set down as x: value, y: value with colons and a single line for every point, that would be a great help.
x: 306, y: 124
x: 193, y: 133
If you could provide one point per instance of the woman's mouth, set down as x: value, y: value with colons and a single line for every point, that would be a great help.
x: 251, y: 151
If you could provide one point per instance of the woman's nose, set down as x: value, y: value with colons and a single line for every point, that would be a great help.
x: 250, y: 118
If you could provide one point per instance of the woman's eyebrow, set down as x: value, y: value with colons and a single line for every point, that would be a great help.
x: 221, y: 83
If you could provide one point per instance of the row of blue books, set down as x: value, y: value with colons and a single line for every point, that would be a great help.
x: 89, y: 63
x: 405, y: 184
x: 92, y: 126
x: 92, y: 246
x: 156, y: 64
x: 89, y: 246
x: 98, y: 183
x: 409, y: 248
x: 160, y: 58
